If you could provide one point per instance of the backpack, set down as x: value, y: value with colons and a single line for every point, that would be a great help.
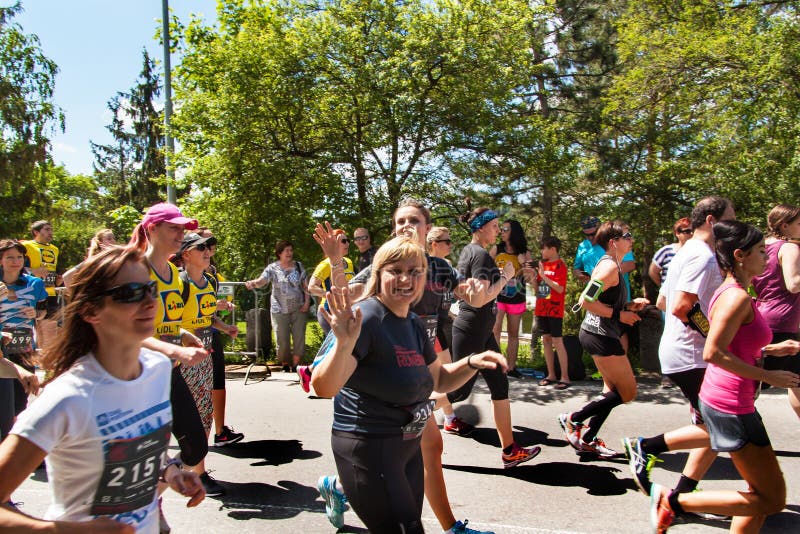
x: 186, y: 281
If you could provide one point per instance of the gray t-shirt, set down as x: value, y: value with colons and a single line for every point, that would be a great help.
x: 693, y: 269
x: 287, y: 286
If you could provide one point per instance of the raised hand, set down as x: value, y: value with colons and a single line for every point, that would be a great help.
x: 328, y: 242
x: 345, y: 323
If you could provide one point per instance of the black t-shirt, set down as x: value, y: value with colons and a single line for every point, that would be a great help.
x: 392, y: 375
x: 365, y: 260
x: 475, y: 262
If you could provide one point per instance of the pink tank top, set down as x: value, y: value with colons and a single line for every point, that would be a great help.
x: 780, y: 308
x: 726, y: 391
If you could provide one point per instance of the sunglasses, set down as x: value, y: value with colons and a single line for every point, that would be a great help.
x: 132, y: 292
x: 504, y: 230
x: 345, y: 241
x: 686, y: 231
x: 448, y: 241
x: 626, y: 235
x: 361, y: 238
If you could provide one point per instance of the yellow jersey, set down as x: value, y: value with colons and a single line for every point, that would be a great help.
x: 46, y: 256
x: 169, y: 315
x: 198, y: 313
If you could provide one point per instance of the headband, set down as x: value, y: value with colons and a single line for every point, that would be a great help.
x: 481, y: 220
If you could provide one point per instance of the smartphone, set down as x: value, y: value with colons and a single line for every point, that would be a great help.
x: 697, y: 320
x: 592, y: 290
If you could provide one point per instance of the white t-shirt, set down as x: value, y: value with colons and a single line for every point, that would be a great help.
x: 105, y: 440
x: 693, y: 269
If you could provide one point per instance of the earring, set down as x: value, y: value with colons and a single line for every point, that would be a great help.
x: 741, y: 264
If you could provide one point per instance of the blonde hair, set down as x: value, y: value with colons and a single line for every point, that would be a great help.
x: 400, y: 248
x: 94, y: 244
x: 435, y: 233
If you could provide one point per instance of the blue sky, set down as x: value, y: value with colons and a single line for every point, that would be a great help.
x: 97, y: 45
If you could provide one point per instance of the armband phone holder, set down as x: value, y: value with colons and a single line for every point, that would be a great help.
x: 697, y: 320
x: 592, y: 290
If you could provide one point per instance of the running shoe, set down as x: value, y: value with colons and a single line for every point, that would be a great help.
x: 598, y: 446
x: 519, y: 455
x: 572, y: 431
x: 14, y: 505
x: 227, y: 437
x: 661, y: 513
x: 334, y: 500
x: 461, y: 528
x: 458, y: 427
x: 212, y: 487
x: 305, y: 377
x: 639, y: 463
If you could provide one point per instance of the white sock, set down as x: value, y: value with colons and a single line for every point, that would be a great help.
x: 449, y: 419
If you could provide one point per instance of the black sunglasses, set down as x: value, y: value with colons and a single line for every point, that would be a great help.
x: 448, y: 241
x: 132, y: 292
x: 345, y: 241
x: 686, y: 231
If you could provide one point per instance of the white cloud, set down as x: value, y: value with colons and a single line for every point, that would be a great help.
x: 64, y: 148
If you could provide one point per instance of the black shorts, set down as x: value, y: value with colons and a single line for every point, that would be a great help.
x: 598, y: 345
x: 217, y: 360
x: 550, y: 326
x: 730, y: 432
x: 689, y: 383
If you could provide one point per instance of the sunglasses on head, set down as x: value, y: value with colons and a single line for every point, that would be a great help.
x: 132, y: 292
x: 686, y: 231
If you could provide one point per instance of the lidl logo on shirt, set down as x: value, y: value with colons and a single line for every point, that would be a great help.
x: 48, y: 256
x: 173, y: 305
x: 207, y: 303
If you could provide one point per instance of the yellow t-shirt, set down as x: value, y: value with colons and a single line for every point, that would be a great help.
x: 323, y: 273
x: 43, y: 256
x: 169, y: 315
x: 198, y: 313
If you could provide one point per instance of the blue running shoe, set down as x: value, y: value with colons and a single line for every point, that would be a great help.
x: 334, y: 500
x: 461, y: 528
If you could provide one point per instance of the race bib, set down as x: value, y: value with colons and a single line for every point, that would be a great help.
x: 206, y: 335
x: 50, y: 279
x: 430, y: 323
x: 542, y: 290
x: 130, y: 472
x: 420, y: 413
x: 172, y: 340
x: 21, y: 340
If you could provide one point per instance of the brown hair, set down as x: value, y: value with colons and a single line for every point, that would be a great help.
x: 413, y: 203
x: 779, y: 215
x: 281, y: 245
x: 77, y: 337
x: 680, y: 224
x: 610, y: 230
x: 435, y: 233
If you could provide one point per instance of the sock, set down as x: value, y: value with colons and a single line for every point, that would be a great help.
x: 655, y: 445
x: 508, y: 449
x: 338, y: 485
x: 594, y: 425
x: 674, y: 504
x: 686, y: 485
x: 605, y: 402
x: 449, y: 418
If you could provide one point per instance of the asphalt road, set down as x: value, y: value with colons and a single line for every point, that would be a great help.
x: 271, y: 476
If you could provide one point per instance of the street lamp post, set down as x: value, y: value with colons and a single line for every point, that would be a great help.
x: 170, y: 144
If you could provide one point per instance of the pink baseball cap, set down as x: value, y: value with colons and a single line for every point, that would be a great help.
x: 166, y: 212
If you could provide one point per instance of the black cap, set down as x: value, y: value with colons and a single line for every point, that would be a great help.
x: 192, y: 239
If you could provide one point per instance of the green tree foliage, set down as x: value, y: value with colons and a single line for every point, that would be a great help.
x: 27, y: 117
x: 132, y: 168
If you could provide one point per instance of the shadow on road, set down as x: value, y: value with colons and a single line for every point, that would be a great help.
x: 598, y: 480
x: 256, y: 500
x: 271, y: 451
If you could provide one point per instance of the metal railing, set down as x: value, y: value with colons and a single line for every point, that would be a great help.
x: 228, y: 289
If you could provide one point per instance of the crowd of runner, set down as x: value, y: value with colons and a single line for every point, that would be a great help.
x: 131, y: 343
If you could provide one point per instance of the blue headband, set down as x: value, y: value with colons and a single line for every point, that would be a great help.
x: 481, y: 220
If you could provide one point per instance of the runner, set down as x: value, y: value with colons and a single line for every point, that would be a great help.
x: 24, y: 302
x: 382, y: 369
x: 693, y: 277
x: 42, y: 259
x: 472, y: 330
x: 605, y: 300
x: 737, y: 340
x: 200, y: 304
x: 101, y: 239
x: 102, y: 469
x: 159, y: 237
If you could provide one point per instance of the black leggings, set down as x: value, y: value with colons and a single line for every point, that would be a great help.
x: 187, y: 427
x: 6, y: 406
x: 383, y: 479
x: 218, y: 360
x: 468, y: 340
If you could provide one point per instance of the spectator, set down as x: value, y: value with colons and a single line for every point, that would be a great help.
x: 42, y: 259
x: 289, y: 303
x: 551, y: 283
x: 682, y: 229
x: 102, y: 239
x: 321, y: 280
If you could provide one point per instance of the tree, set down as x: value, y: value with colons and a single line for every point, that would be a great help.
x: 132, y: 169
x: 27, y: 117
